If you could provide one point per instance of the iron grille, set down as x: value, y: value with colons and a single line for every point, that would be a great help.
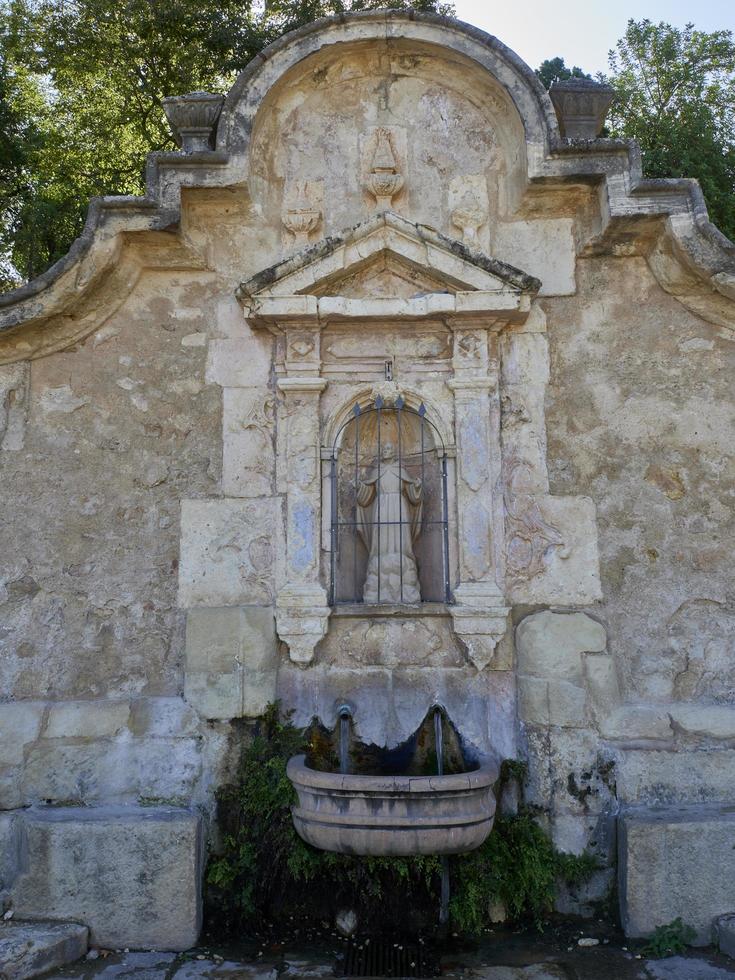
x: 389, y: 511
x: 384, y: 958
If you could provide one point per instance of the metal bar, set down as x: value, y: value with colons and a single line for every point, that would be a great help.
x: 335, y: 527
x: 354, y: 529
x: 447, y: 590
x: 377, y: 485
x: 400, y: 502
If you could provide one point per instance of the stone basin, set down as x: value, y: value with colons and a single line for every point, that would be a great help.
x: 393, y: 816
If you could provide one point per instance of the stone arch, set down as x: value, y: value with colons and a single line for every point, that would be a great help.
x: 511, y: 73
x: 364, y: 396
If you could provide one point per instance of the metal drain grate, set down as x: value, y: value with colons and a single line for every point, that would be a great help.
x: 381, y: 958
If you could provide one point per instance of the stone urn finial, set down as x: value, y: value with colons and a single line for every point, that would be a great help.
x: 384, y: 180
x: 581, y: 105
x: 469, y: 216
x: 302, y: 218
x: 192, y: 119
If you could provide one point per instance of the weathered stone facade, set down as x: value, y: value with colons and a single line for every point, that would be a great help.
x: 384, y: 196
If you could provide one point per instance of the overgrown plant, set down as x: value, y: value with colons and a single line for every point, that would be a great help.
x: 264, y: 866
x: 669, y: 940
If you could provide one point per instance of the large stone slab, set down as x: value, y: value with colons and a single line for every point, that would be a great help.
x: 228, y: 552
x: 676, y: 862
x: 132, y: 874
x: 28, y: 949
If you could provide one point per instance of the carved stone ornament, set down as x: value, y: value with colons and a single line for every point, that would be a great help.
x: 388, y: 391
x: 469, y: 216
x: 192, y: 119
x: 302, y: 219
x: 529, y: 536
x: 384, y: 180
x: 581, y: 105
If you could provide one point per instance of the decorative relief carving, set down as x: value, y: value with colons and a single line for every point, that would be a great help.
x: 469, y: 209
x: 384, y: 181
x: 529, y: 536
x: 302, y: 214
x: 469, y: 216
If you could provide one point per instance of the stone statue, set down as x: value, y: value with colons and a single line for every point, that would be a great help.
x: 389, y: 507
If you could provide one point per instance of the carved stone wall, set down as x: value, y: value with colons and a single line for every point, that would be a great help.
x: 389, y: 196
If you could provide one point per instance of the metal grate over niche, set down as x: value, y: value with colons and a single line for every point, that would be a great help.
x: 384, y: 958
x: 389, y: 531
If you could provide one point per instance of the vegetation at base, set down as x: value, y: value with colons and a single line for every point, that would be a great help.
x: 266, y: 872
x: 669, y: 940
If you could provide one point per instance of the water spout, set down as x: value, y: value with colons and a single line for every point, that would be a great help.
x: 439, y: 749
x: 439, y: 741
x: 345, y: 717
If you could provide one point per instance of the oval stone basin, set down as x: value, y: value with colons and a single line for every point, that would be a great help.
x: 393, y: 816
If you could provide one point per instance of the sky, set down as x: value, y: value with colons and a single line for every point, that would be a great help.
x: 583, y: 31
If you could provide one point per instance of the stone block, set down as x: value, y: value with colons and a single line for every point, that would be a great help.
x: 551, y: 644
x: 20, y: 723
x: 633, y: 722
x: 602, y: 682
x: 571, y: 571
x: 131, y: 874
x: 550, y: 702
x: 543, y: 248
x: 239, y: 362
x: 228, y: 552
x: 715, y: 721
x: 248, y: 456
x: 667, y: 777
x: 116, y: 771
x: 86, y: 719
x: 162, y: 718
x: 724, y: 934
x: 28, y: 949
x: 676, y: 862
x: 231, y: 661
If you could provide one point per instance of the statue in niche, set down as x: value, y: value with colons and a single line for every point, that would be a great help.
x: 389, y: 508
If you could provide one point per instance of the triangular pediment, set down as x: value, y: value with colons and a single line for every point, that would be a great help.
x: 387, y: 256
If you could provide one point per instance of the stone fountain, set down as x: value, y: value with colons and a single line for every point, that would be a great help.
x: 384, y: 814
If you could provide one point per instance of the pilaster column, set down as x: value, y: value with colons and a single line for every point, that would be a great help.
x: 302, y: 611
x: 480, y: 612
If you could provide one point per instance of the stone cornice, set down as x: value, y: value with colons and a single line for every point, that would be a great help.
x: 665, y: 220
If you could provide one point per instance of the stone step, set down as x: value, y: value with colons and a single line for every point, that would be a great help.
x: 30, y: 948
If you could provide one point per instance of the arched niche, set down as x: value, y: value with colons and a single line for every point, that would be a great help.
x: 387, y: 507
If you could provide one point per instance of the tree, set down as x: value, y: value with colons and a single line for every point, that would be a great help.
x: 675, y: 94
x: 81, y: 89
x: 555, y: 70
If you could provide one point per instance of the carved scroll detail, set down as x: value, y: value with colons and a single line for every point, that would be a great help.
x: 529, y: 536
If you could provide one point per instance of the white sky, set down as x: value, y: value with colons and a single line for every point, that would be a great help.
x: 582, y: 31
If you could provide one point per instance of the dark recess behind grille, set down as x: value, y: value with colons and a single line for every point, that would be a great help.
x: 387, y: 958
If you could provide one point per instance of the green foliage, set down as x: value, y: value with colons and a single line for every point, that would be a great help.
x: 669, y: 940
x: 81, y: 89
x: 675, y: 94
x: 555, y: 70
x: 516, y: 866
x: 265, y: 869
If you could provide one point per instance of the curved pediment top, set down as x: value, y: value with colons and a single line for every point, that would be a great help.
x: 434, y: 263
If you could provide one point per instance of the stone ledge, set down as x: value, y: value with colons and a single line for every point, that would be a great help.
x: 28, y: 949
x: 676, y: 862
x: 724, y: 934
x: 131, y: 874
